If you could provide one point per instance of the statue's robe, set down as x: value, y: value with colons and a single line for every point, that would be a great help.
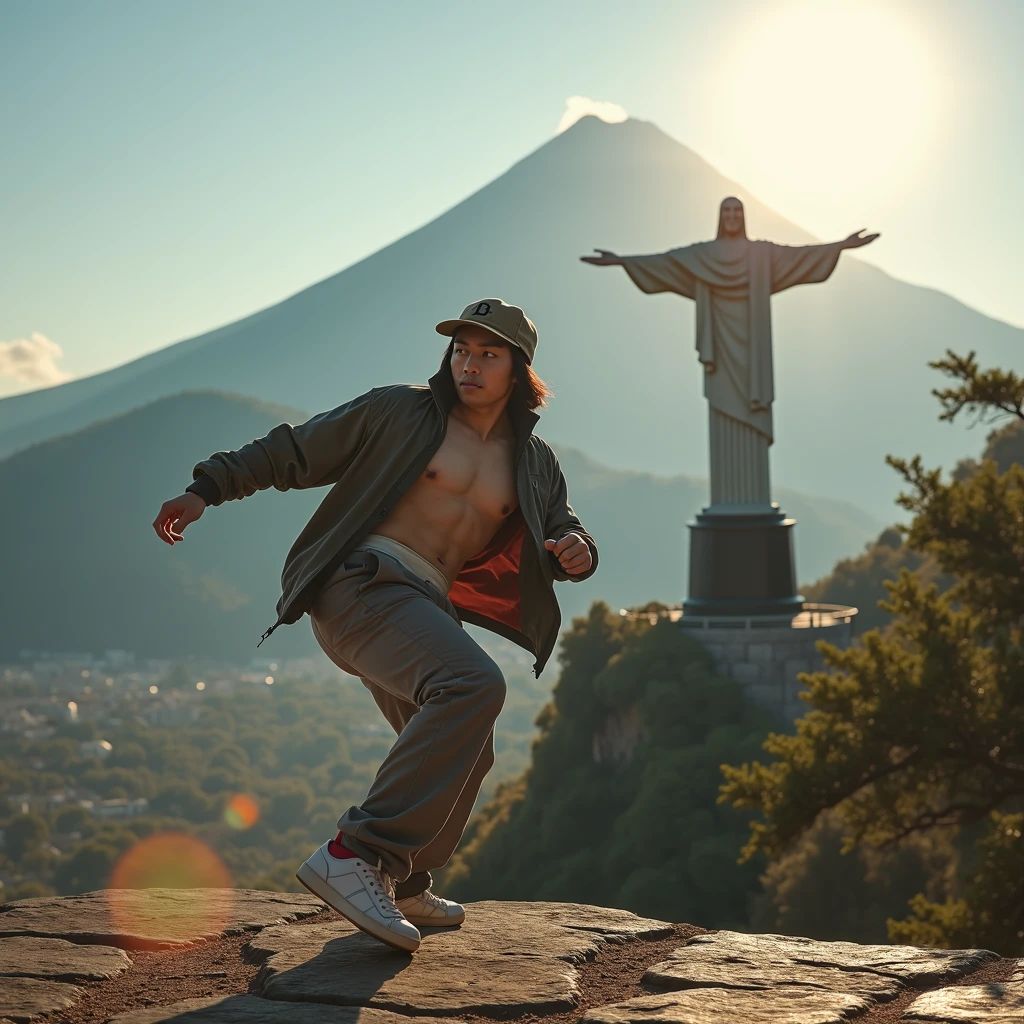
x: 732, y: 282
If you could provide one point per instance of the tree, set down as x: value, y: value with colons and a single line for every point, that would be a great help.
x: 74, y: 819
x: 88, y: 868
x: 25, y: 891
x: 23, y: 834
x: 921, y: 730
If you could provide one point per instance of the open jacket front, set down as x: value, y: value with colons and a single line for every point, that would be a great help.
x: 372, y: 449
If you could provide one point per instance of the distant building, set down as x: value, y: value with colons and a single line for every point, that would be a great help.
x: 95, y: 748
x: 171, y: 714
x: 117, y: 808
x: 24, y: 723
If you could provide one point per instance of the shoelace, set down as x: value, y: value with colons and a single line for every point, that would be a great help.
x: 428, y: 897
x: 386, y: 892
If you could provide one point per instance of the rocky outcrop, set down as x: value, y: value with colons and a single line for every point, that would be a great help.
x: 507, y: 956
x: 153, y: 918
x: 623, y: 730
x: 123, y: 956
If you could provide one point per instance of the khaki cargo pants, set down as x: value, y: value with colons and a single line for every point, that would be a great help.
x: 439, y: 691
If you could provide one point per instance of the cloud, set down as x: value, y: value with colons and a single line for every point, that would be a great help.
x: 580, y: 106
x: 32, y: 360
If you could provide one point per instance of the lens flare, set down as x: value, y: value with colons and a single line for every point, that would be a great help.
x: 241, y: 811
x: 159, y: 864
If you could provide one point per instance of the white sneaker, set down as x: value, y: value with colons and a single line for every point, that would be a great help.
x: 426, y: 909
x: 362, y: 893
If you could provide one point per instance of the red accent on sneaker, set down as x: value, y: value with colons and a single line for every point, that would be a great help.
x: 337, y: 849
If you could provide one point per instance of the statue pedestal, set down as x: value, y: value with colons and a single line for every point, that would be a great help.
x: 742, y: 563
x: 766, y: 654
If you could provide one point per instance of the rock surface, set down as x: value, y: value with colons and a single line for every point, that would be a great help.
x: 791, y: 1004
x: 153, y: 918
x: 726, y: 962
x: 59, y: 960
x: 252, y: 1010
x: 22, y: 999
x: 970, y: 1004
x: 506, y: 956
x: 509, y: 961
x: 790, y: 959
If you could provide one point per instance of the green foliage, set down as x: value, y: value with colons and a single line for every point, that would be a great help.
x: 25, y: 891
x: 861, y: 581
x: 638, y: 828
x: 74, y: 819
x: 23, y: 834
x: 922, y: 729
x: 817, y: 889
x: 298, y: 750
x: 90, y: 866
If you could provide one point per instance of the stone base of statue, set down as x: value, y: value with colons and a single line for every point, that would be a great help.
x: 744, y: 610
x: 742, y: 562
x: 765, y: 654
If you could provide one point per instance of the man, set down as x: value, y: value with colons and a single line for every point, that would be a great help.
x: 444, y: 506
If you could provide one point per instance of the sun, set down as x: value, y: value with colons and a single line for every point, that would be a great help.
x: 830, y: 96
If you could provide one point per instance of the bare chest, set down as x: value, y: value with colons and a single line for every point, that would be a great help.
x: 479, y: 472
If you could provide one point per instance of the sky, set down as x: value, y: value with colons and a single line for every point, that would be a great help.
x: 171, y: 167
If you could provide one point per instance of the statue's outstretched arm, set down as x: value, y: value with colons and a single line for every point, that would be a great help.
x: 858, y: 238
x: 606, y: 259
x: 810, y: 264
x: 659, y: 272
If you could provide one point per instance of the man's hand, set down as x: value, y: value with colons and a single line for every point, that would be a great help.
x: 606, y: 259
x: 572, y: 552
x: 176, y: 514
x: 858, y: 238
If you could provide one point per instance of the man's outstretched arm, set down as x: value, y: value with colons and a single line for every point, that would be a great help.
x: 312, y: 454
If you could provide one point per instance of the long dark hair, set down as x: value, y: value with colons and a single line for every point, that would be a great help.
x: 529, y: 391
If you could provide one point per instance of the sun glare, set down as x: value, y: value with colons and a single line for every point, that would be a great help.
x: 168, y: 861
x: 829, y: 96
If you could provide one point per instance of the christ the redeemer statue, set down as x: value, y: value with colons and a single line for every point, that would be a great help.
x: 732, y: 279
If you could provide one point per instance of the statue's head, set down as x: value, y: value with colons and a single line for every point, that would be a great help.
x: 731, y: 223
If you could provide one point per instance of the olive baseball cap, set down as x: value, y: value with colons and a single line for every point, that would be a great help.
x: 507, y: 322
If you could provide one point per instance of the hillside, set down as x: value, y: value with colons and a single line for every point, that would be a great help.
x: 88, y: 573
x: 851, y: 355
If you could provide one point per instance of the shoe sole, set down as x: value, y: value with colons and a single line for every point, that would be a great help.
x: 322, y: 891
x: 436, y: 922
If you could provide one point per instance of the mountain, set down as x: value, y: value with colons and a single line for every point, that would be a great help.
x: 83, y: 569
x: 851, y: 354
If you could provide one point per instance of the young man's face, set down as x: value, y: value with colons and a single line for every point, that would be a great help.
x: 481, y: 367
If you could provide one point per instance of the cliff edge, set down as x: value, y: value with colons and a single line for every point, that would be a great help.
x: 224, y: 956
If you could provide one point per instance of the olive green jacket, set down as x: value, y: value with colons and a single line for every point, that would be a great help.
x: 372, y: 449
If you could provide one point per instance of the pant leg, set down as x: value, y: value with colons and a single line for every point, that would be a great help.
x: 438, y: 852
x: 398, y: 712
x: 376, y: 620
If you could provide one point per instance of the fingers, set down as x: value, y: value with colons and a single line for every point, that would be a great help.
x: 170, y: 521
x: 572, y: 553
x: 162, y: 523
x: 581, y: 563
x: 568, y: 541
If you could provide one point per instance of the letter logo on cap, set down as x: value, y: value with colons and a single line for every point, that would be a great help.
x: 482, y: 309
